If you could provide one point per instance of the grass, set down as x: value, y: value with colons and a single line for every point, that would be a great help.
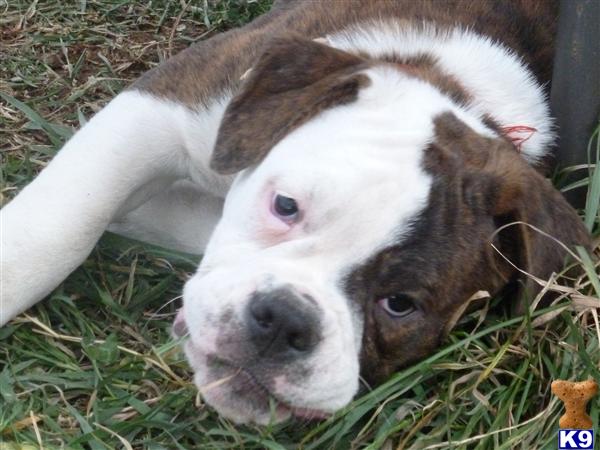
x: 95, y: 368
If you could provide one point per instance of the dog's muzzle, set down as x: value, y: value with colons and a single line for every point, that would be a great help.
x: 252, y: 356
x: 281, y: 325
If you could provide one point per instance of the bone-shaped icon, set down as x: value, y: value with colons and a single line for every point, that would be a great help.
x: 575, y: 396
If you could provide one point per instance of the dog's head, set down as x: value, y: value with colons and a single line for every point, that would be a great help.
x: 360, y: 222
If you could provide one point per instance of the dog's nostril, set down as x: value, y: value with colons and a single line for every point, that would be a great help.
x: 281, y: 324
x: 299, y: 342
x: 262, y: 314
x: 265, y: 321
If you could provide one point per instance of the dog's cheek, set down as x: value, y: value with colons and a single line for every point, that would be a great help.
x: 391, y: 344
x: 370, y: 357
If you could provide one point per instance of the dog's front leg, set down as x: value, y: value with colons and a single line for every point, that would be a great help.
x: 130, y: 150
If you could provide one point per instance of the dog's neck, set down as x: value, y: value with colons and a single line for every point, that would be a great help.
x: 499, y: 87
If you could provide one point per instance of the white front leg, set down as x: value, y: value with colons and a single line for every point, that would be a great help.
x: 129, y: 151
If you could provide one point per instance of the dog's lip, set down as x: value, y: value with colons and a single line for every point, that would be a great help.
x: 179, y: 325
x: 299, y: 412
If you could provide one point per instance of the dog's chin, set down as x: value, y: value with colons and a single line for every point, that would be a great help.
x: 241, y: 401
x: 238, y: 395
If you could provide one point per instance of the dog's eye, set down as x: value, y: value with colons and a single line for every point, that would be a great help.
x: 398, y: 305
x: 285, y: 207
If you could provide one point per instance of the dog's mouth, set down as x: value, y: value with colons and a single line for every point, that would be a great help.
x: 241, y: 381
x: 233, y: 383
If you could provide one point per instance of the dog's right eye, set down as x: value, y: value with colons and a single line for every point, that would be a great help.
x: 285, y: 208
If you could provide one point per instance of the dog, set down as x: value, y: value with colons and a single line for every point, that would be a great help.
x: 344, y: 168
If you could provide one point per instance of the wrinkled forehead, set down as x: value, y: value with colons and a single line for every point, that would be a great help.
x: 376, y: 141
x: 390, y: 122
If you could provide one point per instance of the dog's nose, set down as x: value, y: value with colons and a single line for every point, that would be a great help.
x: 282, y: 324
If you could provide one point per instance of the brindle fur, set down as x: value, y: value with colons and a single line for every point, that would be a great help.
x: 209, y: 68
x: 283, y: 93
x: 479, y: 184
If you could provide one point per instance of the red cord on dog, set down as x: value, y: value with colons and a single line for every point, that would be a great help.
x: 518, y: 134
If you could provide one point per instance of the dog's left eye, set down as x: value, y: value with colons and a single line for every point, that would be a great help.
x: 285, y: 208
x: 398, y: 305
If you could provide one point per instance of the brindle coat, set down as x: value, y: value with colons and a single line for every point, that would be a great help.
x: 207, y: 68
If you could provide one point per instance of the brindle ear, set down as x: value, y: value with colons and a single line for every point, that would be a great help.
x: 293, y: 81
x: 500, y: 181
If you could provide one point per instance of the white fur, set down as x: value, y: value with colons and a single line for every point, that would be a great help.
x: 500, y: 83
x: 134, y: 149
x: 181, y: 217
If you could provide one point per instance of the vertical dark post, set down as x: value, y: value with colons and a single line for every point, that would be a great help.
x: 575, y: 96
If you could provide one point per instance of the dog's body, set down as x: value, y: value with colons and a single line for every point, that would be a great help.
x: 384, y: 155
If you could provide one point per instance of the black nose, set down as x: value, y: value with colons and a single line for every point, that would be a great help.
x: 281, y: 323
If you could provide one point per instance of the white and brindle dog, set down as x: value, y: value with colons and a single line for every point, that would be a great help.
x: 345, y: 191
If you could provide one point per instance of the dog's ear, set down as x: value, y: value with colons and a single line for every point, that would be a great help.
x: 293, y: 80
x: 498, y: 181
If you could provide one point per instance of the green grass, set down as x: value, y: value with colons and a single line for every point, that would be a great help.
x: 95, y: 368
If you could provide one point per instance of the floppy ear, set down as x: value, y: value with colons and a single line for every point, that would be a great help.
x: 500, y: 181
x: 293, y: 81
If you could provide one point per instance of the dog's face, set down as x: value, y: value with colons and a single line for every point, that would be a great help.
x: 360, y: 223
